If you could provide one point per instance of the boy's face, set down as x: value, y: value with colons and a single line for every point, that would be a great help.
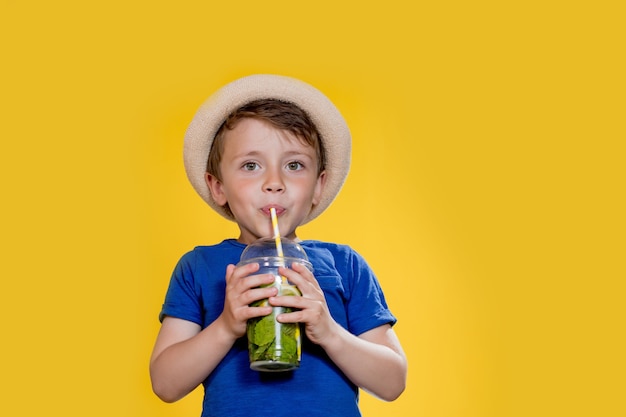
x: 264, y: 167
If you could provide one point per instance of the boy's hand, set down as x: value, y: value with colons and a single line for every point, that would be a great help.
x: 241, y: 290
x: 312, y: 311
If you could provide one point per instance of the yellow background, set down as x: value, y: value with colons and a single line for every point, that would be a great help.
x: 486, y: 190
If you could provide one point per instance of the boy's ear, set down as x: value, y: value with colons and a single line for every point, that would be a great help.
x: 216, y: 188
x: 319, y: 188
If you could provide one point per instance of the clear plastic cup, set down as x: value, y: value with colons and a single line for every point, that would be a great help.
x: 274, y: 346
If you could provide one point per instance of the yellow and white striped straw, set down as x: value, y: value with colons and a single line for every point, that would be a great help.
x: 279, y: 245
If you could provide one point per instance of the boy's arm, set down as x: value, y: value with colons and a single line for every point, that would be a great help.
x: 373, y: 360
x: 184, y: 355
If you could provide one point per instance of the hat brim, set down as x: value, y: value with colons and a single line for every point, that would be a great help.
x: 330, y: 124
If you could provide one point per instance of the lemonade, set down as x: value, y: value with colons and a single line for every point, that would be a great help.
x: 274, y: 346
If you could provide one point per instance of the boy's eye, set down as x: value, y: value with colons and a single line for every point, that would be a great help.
x: 250, y: 166
x: 294, y: 166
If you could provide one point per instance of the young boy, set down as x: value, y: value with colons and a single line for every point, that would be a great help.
x: 265, y: 142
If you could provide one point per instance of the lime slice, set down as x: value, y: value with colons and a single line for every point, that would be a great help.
x: 289, y: 290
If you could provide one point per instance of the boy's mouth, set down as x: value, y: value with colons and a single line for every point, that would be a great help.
x: 266, y: 209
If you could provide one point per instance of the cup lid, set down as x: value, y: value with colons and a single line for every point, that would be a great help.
x: 266, y: 248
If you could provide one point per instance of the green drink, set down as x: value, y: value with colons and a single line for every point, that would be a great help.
x: 274, y: 346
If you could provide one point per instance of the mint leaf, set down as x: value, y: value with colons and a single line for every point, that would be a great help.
x: 264, y: 330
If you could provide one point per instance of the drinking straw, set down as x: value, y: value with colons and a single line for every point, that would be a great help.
x: 279, y: 245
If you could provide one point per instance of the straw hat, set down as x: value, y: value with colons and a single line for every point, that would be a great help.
x: 210, y: 116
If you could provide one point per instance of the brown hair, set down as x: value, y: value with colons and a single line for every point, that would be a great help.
x: 282, y: 115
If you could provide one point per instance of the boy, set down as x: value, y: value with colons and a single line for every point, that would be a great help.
x: 266, y: 142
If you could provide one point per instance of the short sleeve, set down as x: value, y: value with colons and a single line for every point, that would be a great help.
x: 366, y: 305
x: 183, y: 298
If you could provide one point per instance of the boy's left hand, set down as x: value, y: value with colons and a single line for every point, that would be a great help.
x: 312, y: 309
x: 374, y: 360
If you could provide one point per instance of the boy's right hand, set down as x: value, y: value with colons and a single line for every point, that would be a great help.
x: 184, y: 354
x: 242, y: 289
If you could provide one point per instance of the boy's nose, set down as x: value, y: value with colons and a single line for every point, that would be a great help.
x: 274, y: 187
x: 273, y: 183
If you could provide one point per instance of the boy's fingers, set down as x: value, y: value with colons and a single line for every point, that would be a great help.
x: 296, y: 271
x: 257, y: 294
x: 298, y: 267
x: 303, y: 279
x: 243, y: 271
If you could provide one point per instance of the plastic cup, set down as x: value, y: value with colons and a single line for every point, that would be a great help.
x: 274, y: 346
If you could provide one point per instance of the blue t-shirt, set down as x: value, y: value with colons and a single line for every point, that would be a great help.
x: 317, y: 387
